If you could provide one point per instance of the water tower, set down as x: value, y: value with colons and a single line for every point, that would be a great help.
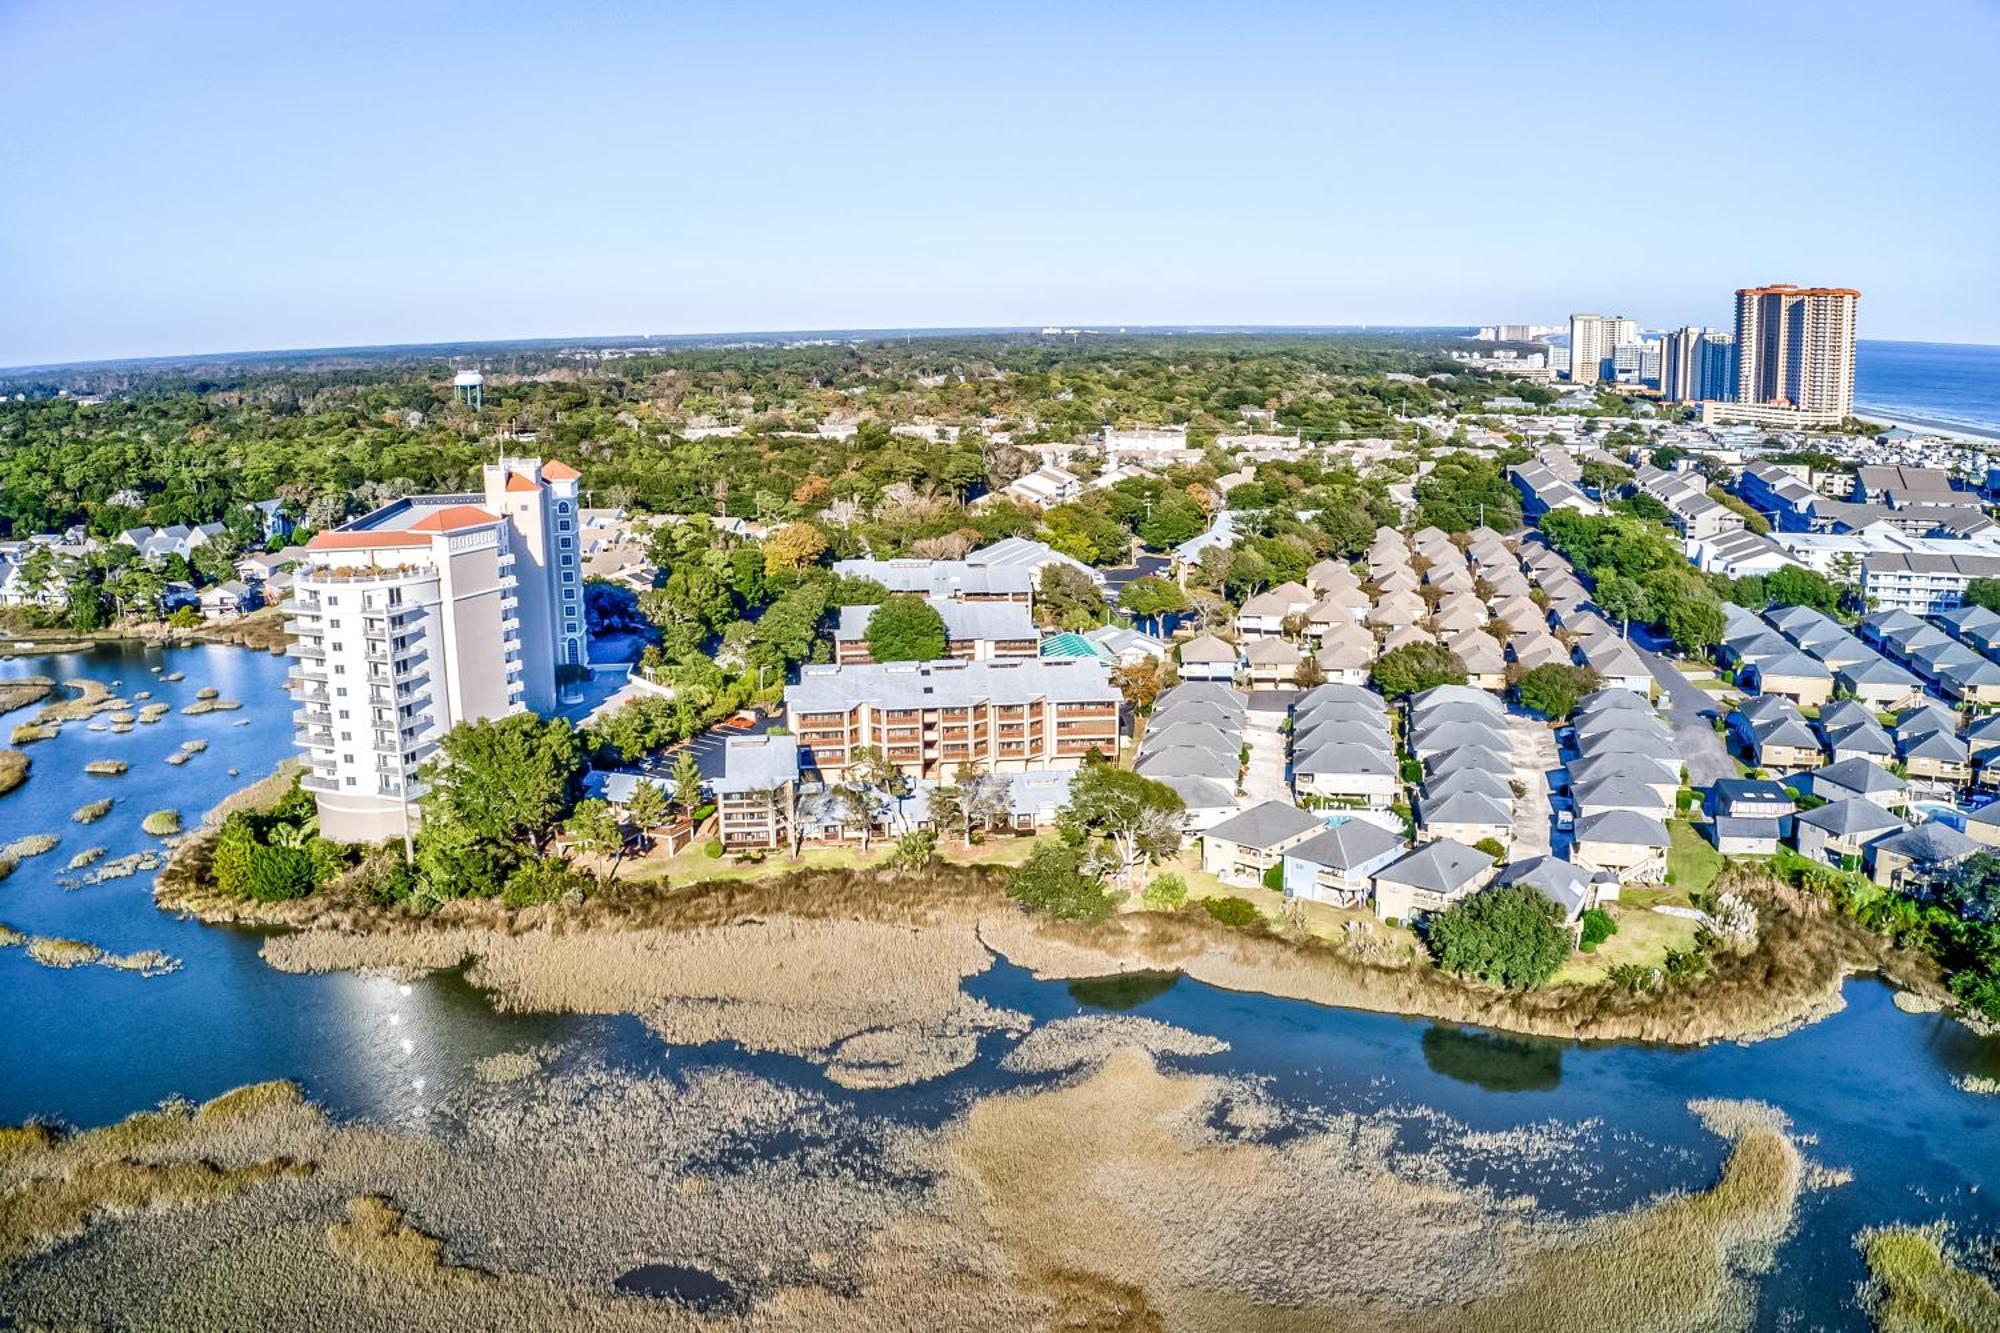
x: 469, y: 387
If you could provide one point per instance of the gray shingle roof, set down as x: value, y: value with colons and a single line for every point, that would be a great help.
x: 1443, y: 865
x: 1346, y: 845
x: 1564, y: 884
x: 1623, y: 827
x: 1264, y: 826
x: 1856, y: 815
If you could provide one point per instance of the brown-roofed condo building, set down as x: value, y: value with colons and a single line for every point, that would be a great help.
x: 430, y: 611
x: 929, y: 717
x: 1795, y: 354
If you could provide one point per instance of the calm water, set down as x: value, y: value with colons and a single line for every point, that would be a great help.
x: 1871, y: 1087
x: 1950, y: 384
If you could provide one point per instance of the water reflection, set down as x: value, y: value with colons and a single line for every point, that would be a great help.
x: 1122, y: 990
x: 1495, y: 1063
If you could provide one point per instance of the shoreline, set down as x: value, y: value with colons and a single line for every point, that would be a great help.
x: 253, y: 632
x: 1928, y: 425
x: 1791, y: 979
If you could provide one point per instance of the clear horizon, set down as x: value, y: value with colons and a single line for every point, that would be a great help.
x: 231, y: 176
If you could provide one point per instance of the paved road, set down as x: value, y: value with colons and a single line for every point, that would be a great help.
x: 1688, y: 709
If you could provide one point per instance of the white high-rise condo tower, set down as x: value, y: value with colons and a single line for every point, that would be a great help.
x: 430, y: 611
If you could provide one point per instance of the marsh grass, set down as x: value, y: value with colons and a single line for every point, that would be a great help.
x: 210, y: 705
x: 35, y: 844
x: 13, y: 770
x: 87, y: 857
x: 91, y: 813
x: 23, y: 691
x: 8, y: 865
x: 27, y: 733
x: 375, y: 1238
x: 162, y: 823
x: 106, y: 768
x: 153, y: 712
x: 52, y: 1186
x: 9, y: 937
x: 1917, y: 1286
x: 51, y: 951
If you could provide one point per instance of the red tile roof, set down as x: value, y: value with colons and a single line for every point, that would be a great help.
x: 452, y: 518
x: 557, y: 470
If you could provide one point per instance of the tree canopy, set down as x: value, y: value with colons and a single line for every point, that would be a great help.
x: 1511, y: 936
x: 906, y: 628
x: 1416, y: 667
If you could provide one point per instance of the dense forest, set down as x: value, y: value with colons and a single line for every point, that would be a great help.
x: 168, y: 445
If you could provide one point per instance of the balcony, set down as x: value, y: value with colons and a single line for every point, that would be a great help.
x: 314, y: 782
x: 317, y: 737
x: 308, y: 651
x: 320, y: 718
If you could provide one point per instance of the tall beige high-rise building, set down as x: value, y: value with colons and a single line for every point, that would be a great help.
x: 1795, y: 352
x: 1594, y: 341
x: 431, y: 611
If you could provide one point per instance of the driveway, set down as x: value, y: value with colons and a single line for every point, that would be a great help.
x: 1264, y: 775
x: 1688, y: 709
x: 1534, y: 753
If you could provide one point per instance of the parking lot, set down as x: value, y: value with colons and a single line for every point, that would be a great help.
x: 707, y: 750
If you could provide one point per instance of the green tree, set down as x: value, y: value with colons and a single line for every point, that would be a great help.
x: 1151, y: 598
x: 1173, y: 520
x: 1983, y: 592
x: 505, y: 780
x: 1053, y: 880
x: 906, y: 628
x: 1796, y: 586
x: 1416, y: 667
x: 687, y: 782
x: 593, y: 829
x: 1139, y: 819
x: 648, y: 806
x: 1067, y: 597
x: 1554, y: 689
x: 1510, y: 936
x: 1598, y: 926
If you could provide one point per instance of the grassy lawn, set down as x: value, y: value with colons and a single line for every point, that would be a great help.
x: 1643, y: 937
x: 692, y: 866
x: 1321, y: 919
x: 1692, y: 861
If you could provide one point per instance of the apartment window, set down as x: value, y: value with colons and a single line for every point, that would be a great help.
x: 566, y: 543
x: 569, y: 576
x: 349, y: 779
x: 347, y: 735
x: 339, y: 670
x: 564, y: 525
x: 340, y: 692
x: 347, y: 759
x: 343, y: 712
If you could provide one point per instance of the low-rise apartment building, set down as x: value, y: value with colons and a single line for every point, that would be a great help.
x: 927, y: 718
x: 973, y: 632
x: 755, y: 795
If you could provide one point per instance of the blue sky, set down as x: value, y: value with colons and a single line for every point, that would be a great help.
x: 203, y: 177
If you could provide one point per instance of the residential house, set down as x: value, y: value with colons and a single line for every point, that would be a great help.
x: 1851, y: 778
x: 1241, y: 848
x: 1208, y: 658
x: 1430, y: 878
x: 1627, y: 845
x: 1264, y: 615
x: 1912, y: 858
x: 1793, y: 675
x: 1338, y: 864
x: 1838, y: 833
x: 1563, y: 883
x: 232, y: 598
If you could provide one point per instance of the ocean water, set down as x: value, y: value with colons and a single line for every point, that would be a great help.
x: 1944, y: 384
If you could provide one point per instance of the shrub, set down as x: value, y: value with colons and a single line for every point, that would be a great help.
x: 1274, y: 877
x: 1493, y: 847
x: 1598, y: 926
x: 914, y: 850
x: 540, y: 879
x: 1166, y: 893
x: 1511, y: 936
x: 1234, y: 912
x: 712, y: 848
x: 1053, y: 880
